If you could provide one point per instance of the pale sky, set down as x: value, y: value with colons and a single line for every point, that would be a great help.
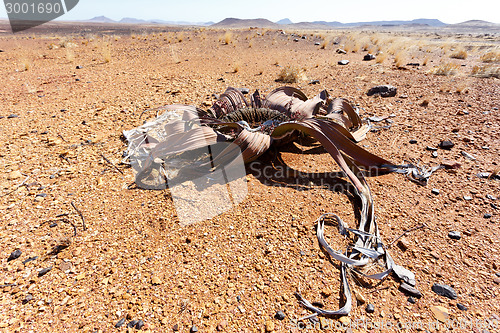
x: 448, y: 11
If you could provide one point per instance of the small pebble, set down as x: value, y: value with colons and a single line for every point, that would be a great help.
x: 79, y: 67
x: 413, y: 141
x: 444, y: 290
x: 30, y: 259
x: 431, y: 148
x: 467, y: 198
x: 44, y: 271
x: 370, y: 308
x: 487, y: 216
x: 120, y: 323
x: 28, y: 298
x: 446, y: 144
x: 455, y: 235
x: 280, y: 315
x: 244, y: 91
x: 435, y: 191
x: 343, y: 62
x: 489, y: 196
x: 412, y: 300
x: 434, y: 154
x: 175, y: 328
x: 193, y: 329
x: 53, y: 225
x: 14, y: 255
x: 461, y: 307
x: 12, y: 116
x: 139, y: 325
x: 132, y: 323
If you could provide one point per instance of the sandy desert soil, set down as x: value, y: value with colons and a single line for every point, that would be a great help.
x: 233, y: 273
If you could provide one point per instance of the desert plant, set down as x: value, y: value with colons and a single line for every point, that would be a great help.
x: 400, y: 59
x: 175, y: 57
x: 459, y: 54
x: 70, y: 56
x: 486, y: 71
x: 380, y: 58
x: 105, y: 50
x: 491, y: 56
x: 227, y: 38
x: 446, y: 69
x: 290, y: 74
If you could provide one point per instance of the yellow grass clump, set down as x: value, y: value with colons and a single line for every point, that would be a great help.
x: 290, y: 74
x: 227, y: 38
x: 486, y: 71
x: 459, y: 54
x: 491, y: 56
x: 446, y: 69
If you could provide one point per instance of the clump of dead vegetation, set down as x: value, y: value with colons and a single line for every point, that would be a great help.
x: 486, y: 71
x: 491, y: 56
x: 291, y: 74
x: 227, y: 38
x: 460, y: 53
x: 446, y: 69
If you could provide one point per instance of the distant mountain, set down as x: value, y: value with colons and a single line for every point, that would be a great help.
x: 429, y: 22
x: 284, y: 21
x: 101, y: 19
x: 131, y: 20
x: 477, y: 24
x: 245, y: 23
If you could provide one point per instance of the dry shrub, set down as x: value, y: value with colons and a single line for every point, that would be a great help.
x: 380, y: 58
x: 486, y: 71
x: 290, y: 74
x: 426, y: 60
x: 227, y: 38
x: 459, y: 54
x: 70, y: 56
x: 105, y: 50
x: 324, y: 44
x: 25, y: 64
x: 400, y: 59
x: 175, y: 57
x: 491, y: 56
x: 446, y: 69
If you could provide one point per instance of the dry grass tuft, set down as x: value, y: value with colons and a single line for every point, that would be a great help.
x: 291, y: 74
x: 106, y: 51
x: 491, y: 56
x: 459, y: 54
x: 400, y: 59
x: 175, y: 57
x: 486, y: 71
x: 380, y: 58
x: 25, y: 64
x: 227, y: 38
x: 446, y: 69
x: 70, y: 56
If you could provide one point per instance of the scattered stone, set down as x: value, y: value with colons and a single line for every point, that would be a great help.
x: 155, y: 280
x: 317, y: 43
x: 12, y: 116
x: 343, y: 62
x: 446, y: 144
x: 139, y: 325
x: 175, y: 328
x: 496, y: 280
x: 314, y: 82
x: 434, y: 154
x: 467, y: 198
x: 431, y: 148
x: 295, y: 40
x: 244, y: 91
x: 440, y: 313
x: 494, y: 206
x: 345, y: 321
x: 14, y: 255
x: 193, y: 329
x: 435, y: 191
x: 489, y: 196
x: 280, y: 315
x: 269, y: 326
x: 444, y: 290
x: 461, y: 307
x: 377, y: 119
x: 468, y: 156
x: 222, y: 325
x: 120, y: 323
x: 487, y: 216
x: 14, y: 175
x: 414, y: 64
x: 44, y: 271
x: 412, y: 300
x: 383, y: 91
x: 403, y: 244
x: 368, y: 57
x: 370, y: 308
x: 27, y: 299
x: 132, y: 323
x: 409, y: 290
x: 455, y: 235
x: 359, y: 297
x: 30, y: 259
x: 341, y: 51
x: 79, y: 67
x: 450, y: 165
x: 413, y: 141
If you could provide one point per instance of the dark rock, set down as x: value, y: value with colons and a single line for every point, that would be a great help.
x: 139, y: 325
x: 383, y: 91
x: 120, y: 323
x: 431, y: 148
x: 303, y: 37
x: 44, y: 271
x: 132, y: 323
x: 413, y: 141
x: 295, y: 40
x: 79, y: 67
x: 368, y: 57
x: 193, y: 329
x: 12, y: 116
x: 435, y: 191
x: 64, y: 110
x: 238, y: 298
x: 27, y: 299
x: 444, y: 290
x: 30, y: 259
x: 412, y: 300
x: 494, y: 206
x: 489, y: 196
x: 343, y: 62
x: 487, y: 216
x: 53, y: 225
x: 280, y: 315
x: 317, y: 43
x: 455, y: 235
x: 341, y: 51
x: 434, y: 154
x: 461, y: 307
x: 467, y: 155
x: 14, y: 255
x: 175, y: 328
x: 314, y: 82
x: 414, y: 64
x: 446, y: 144
x: 370, y: 308
x: 409, y: 290
x: 2, y: 51
x: 43, y: 195
x: 244, y: 91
